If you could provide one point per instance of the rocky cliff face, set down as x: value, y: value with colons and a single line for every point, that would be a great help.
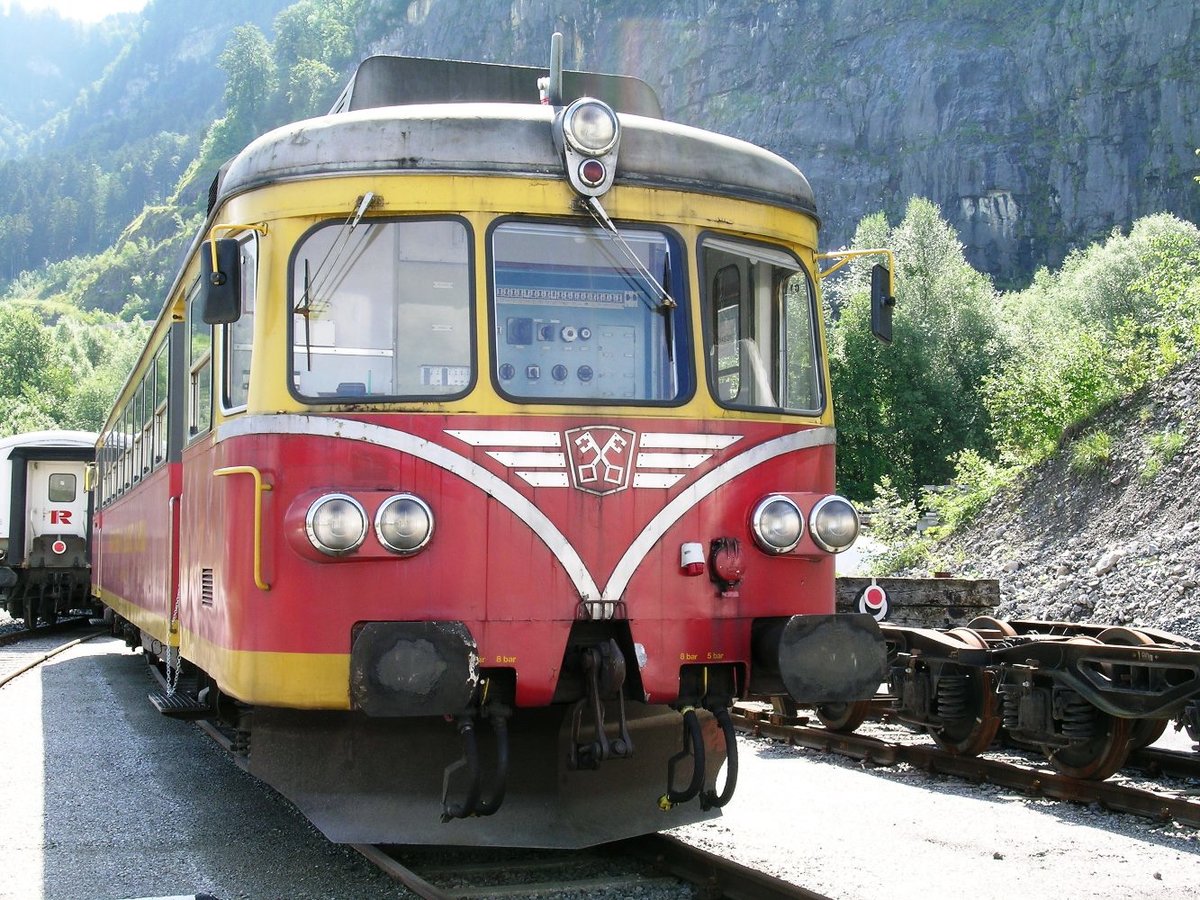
x: 1036, y: 125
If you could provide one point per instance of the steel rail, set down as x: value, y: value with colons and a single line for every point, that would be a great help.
x: 1036, y: 782
x: 41, y: 657
x: 680, y: 862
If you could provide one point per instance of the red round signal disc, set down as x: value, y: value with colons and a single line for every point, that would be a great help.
x: 59, y: 547
x: 874, y: 596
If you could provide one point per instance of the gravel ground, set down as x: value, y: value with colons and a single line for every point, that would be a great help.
x: 113, y: 801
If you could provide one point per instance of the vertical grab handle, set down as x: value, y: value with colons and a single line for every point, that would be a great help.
x: 259, y: 487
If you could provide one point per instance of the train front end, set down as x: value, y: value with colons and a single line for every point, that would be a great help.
x: 521, y: 467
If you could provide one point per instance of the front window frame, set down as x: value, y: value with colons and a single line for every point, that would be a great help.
x: 681, y: 326
x: 472, y: 356
x: 777, y: 325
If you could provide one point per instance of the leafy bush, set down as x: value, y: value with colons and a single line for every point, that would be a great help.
x: 976, y: 481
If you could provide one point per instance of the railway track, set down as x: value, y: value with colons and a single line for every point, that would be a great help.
x: 22, y: 650
x: 652, y: 865
x: 1182, y: 806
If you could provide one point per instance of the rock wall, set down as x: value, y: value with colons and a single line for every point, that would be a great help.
x: 1036, y: 125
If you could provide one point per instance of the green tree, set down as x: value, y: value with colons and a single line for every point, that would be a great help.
x: 1116, y: 315
x: 904, y: 410
x: 250, y: 88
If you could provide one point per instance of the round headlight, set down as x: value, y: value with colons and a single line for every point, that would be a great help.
x: 591, y: 127
x: 777, y: 524
x: 834, y: 523
x: 336, y: 524
x: 404, y: 523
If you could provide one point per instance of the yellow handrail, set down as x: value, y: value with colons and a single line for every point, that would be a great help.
x: 844, y: 256
x: 259, y: 487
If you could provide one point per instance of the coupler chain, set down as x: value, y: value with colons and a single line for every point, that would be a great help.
x: 604, y: 670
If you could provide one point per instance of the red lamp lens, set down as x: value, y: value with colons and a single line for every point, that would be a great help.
x: 592, y: 172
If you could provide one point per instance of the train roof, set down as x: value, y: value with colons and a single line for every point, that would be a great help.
x: 476, y: 127
x: 46, y: 439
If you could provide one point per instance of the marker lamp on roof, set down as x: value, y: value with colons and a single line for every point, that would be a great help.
x: 590, y: 127
x: 588, y: 134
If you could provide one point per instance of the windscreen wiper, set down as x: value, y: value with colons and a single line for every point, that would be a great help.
x: 666, y: 303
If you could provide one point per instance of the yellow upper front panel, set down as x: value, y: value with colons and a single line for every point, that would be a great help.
x: 291, y: 210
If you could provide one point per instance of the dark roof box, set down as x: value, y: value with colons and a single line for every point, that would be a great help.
x: 405, y: 80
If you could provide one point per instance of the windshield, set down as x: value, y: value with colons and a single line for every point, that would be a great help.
x: 760, y: 314
x: 576, y: 319
x: 381, y: 309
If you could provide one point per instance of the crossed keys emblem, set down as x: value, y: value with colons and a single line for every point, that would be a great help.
x: 600, y: 457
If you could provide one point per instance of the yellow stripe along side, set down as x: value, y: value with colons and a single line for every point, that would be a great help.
x: 268, y: 678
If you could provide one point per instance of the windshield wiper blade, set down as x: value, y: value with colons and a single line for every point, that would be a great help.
x: 666, y: 301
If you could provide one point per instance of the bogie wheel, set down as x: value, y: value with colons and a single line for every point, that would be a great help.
x: 976, y: 720
x: 783, y: 705
x: 1144, y: 732
x: 991, y: 623
x: 31, y: 610
x: 50, y: 606
x: 1099, y: 757
x: 844, y: 717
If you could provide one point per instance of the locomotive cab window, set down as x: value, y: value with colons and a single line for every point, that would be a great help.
x: 579, y: 315
x: 381, y: 310
x: 760, y: 314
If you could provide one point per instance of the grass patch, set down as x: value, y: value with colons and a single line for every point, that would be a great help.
x: 1163, y: 447
x: 1091, y: 453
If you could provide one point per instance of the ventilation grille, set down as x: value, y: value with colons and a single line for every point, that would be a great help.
x: 206, y: 587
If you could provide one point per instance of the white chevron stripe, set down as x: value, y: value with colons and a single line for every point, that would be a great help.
x: 697, y: 491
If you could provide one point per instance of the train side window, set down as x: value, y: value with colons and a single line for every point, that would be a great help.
x: 126, y: 448
x: 237, y: 337
x: 727, y: 328
x: 62, y: 487
x: 162, y: 380
x: 199, y: 368
x: 763, y: 343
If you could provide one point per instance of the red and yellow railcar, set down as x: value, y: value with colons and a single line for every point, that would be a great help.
x: 481, y: 455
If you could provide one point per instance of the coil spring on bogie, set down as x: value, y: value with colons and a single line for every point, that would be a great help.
x: 1012, y: 710
x: 1078, y: 716
x: 953, y: 697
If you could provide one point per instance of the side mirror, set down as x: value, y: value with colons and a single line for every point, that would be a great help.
x: 221, y: 285
x: 882, y: 303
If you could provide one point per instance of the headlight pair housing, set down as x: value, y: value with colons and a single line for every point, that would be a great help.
x: 337, y: 524
x: 778, y: 523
